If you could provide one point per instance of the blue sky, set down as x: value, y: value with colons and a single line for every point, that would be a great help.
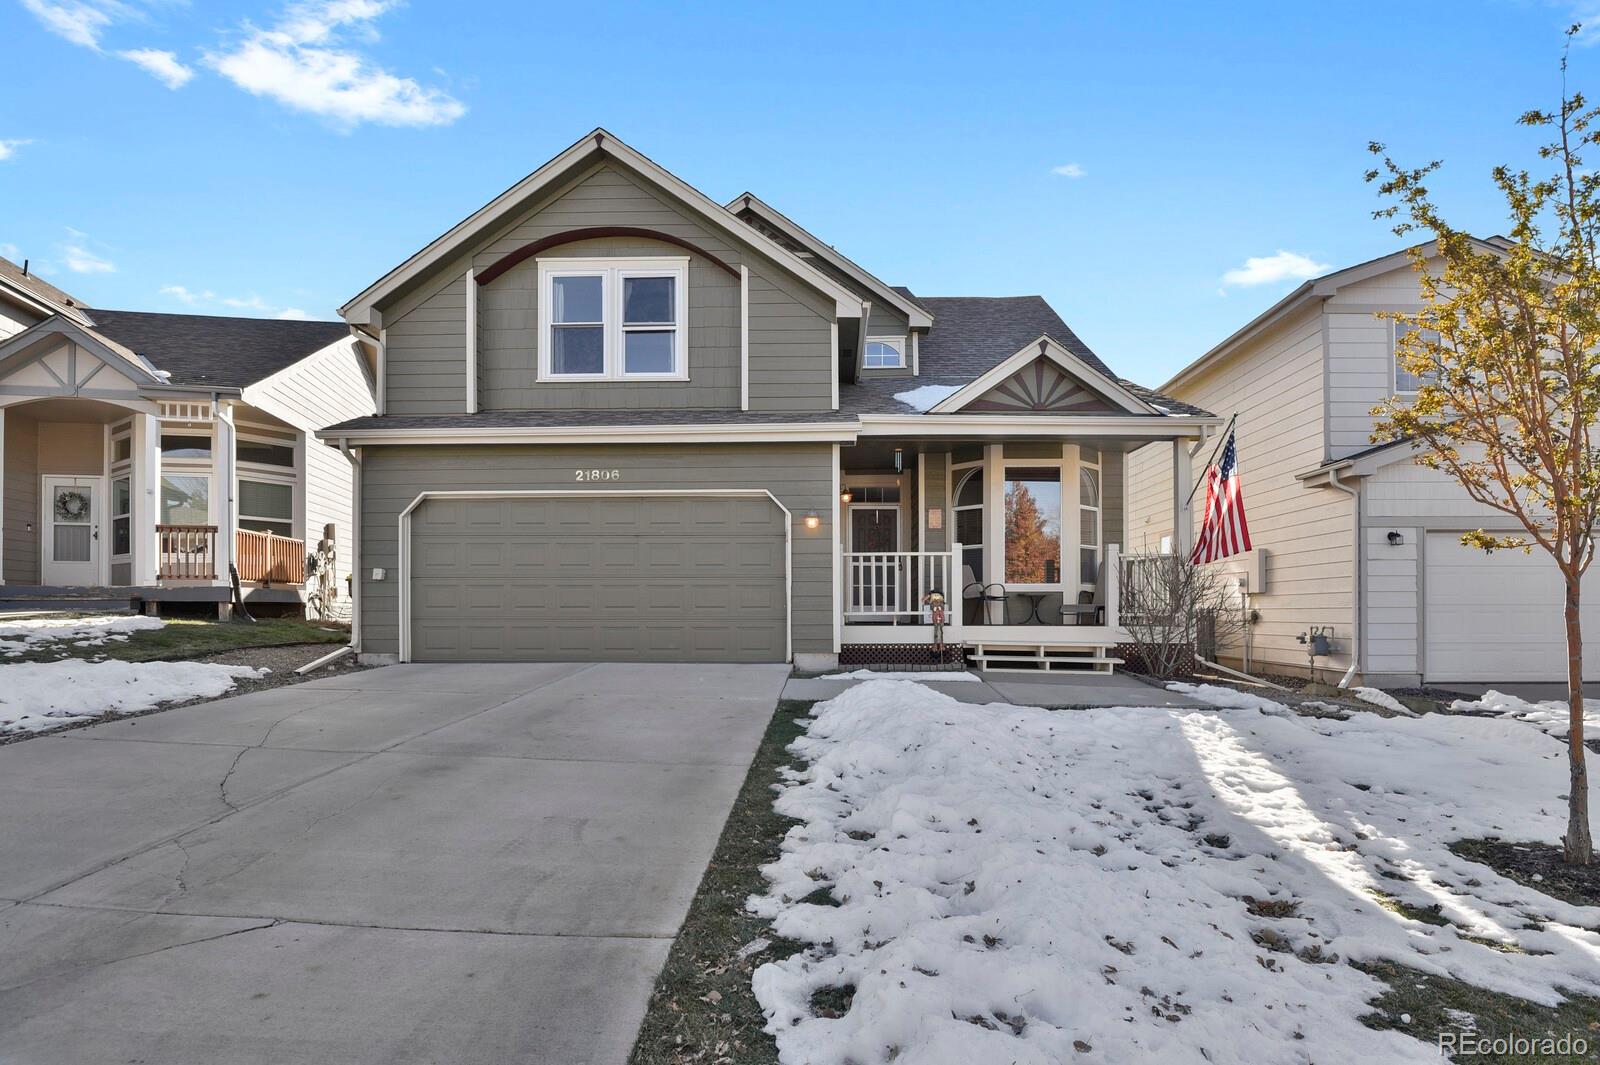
x: 1126, y: 163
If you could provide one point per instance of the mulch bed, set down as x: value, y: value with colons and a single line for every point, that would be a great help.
x: 1523, y: 862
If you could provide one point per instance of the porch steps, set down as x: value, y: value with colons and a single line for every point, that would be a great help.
x: 1039, y: 658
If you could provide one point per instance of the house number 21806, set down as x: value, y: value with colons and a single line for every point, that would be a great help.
x: 596, y: 475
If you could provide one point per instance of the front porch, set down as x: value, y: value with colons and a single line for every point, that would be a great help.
x: 1021, y: 536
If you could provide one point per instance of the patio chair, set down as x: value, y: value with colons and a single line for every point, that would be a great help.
x: 976, y: 597
x: 1089, y: 609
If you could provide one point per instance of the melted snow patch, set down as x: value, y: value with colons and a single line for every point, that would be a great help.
x: 1023, y: 885
x: 27, y: 634
x: 38, y: 696
x: 926, y: 397
x: 1551, y: 716
x: 928, y: 676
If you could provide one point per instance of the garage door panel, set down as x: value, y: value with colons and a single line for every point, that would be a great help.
x: 563, y: 578
x: 1498, y: 617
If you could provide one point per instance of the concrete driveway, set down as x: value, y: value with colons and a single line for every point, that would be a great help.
x: 462, y: 863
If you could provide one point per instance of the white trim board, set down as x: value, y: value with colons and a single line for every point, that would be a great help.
x: 800, y: 432
x: 404, y: 520
x: 1044, y: 347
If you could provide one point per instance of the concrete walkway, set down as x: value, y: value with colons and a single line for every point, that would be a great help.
x: 1023, y: 689
x: 465, y: 864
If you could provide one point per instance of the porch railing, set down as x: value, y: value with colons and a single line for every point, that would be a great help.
x: 884, y: 585
x: 268, y: 558
x: 186, y: 552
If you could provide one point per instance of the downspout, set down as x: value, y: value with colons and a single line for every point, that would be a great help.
x: 354, y: 646
x: 1355, y: 609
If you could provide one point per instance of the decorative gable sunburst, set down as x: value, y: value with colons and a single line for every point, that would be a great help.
x: 1041, y: 387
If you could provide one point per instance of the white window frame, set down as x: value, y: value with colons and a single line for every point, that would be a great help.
x: 266, y: 472
x: 1394, y: 357
x: 1065, y: 542
x: 898, y: 343
x: 118, y: 470
x: 189, y: 467
x: 612, y: 273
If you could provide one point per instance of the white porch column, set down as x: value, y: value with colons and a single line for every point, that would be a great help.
x: 1182, y: 504
x: 227, y: 506
x: 2, y: 495
x: 146, y: 477
x: 1113, y: 583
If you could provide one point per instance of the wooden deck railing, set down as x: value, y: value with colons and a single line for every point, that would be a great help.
x: 269, y: 558
x: 186, y: 552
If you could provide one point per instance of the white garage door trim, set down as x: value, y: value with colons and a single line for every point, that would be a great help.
x: 567, y: 493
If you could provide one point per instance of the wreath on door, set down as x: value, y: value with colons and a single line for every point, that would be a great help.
x: 72, y: 505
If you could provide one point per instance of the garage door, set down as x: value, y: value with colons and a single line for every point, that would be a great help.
x: 1498, y: 617
x: 574, y: 578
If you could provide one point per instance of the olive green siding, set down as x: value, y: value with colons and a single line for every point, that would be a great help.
x: 790, y: 336
x: 799, y: 475
x: 935, y: 485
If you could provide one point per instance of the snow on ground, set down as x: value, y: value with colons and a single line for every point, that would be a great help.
x: 39, y: 696
x: 1379, y: 697
x: 932, y: 675
x: 925, y: 397
x: 1551, y: 716
x: 1031, y: 886
x: 29, y: 634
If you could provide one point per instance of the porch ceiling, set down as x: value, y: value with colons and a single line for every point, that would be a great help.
x: 68, y: 410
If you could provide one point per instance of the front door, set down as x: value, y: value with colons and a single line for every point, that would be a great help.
x: 71, y: 541
x: 875, y: 585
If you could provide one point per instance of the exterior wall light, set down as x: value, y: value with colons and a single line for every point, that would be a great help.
x: 812, y: 520
x: 1395, y: 539
x: 845, y: 495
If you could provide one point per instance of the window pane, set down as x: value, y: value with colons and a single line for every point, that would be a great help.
x: 1089, y: 528
x: 1033, y: 525
x: 121, y: 449
x: 266, y: 454
x: 969, y: 526
x: 647, y: 352
x: 121, y: 536
x: 970, y: 492
x: 184, y: 500
x: 175, y: 446
x: 578, y: 349
x: 1410, y: 382
x: 577, y: 299
x: 266, y: 499
x: 880, y: 354
x: 1088, y: 566
x: 1088, y: 487
x: 648, y: 300
x: 121, y: 496
x: 281, y: 528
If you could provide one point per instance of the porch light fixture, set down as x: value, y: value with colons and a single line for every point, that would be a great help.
x: 899, y: 460
x: 812, y: 520
x: 1396, y: 539
x: 845, y: 495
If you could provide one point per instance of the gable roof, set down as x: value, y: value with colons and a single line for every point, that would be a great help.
x: 1318, y: 288
x: 102, y: 347
x: 599, y: 143
x: 919, y: 315
x: 213, y: 351
x: 1095, y: 378
x: 39, y: 293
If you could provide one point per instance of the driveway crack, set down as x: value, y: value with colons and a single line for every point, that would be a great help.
x: 139, y: 954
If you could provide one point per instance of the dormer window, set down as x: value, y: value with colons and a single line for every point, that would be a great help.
x: 885, y: 353
x: 613, y: 319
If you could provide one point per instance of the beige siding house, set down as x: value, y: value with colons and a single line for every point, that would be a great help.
x: 1352, y: 537
x: 618, y: 419
x: 146, y: 454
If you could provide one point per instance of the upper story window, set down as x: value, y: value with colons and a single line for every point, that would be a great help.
x: 613, y: 319
x: 1408, y: 383
x: 885, y: 353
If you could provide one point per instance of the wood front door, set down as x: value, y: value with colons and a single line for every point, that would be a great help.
x: 70, y: 534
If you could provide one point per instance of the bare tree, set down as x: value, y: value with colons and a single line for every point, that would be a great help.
x: 1173, y: 608
x: 1507, y: 353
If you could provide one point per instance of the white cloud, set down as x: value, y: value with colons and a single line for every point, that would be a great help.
x: 293, y: 314
x: 1069, y: 170
x: 305, y: 63
x: 1270, y: 269
x: 79, y: 22
x: 181, y: 294
x: 163, y: 66
x: 207, y: 300
x: 81, y: 260
x: 10, y: 250
x: 8, y: 148
x: 251, y: 302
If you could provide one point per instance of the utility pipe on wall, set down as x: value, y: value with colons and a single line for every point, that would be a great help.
x: 1355, y: 609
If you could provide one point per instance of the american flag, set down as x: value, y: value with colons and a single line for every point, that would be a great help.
x: 1223, y: 531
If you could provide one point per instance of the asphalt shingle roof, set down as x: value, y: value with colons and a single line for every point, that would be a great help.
x: 202, y: 349
x: 972, y: 334
x: 33, y: 283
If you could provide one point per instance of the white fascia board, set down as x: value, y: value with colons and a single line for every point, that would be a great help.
x: 919, y: 318
x: 566, y: 434
x: 358, y: 311
x: 1044, y: 347
x: 1001, y: 425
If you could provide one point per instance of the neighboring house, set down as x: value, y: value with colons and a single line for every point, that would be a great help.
x: 1356, y: 537
x: 619, y: 420
x: 148, y: 451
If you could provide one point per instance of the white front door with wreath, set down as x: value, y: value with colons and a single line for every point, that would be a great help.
x: 70, y: 538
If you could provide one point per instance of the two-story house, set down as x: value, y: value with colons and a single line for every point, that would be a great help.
x: 1355, y: 538
x: 145, y: 454
x: 620, y: 420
